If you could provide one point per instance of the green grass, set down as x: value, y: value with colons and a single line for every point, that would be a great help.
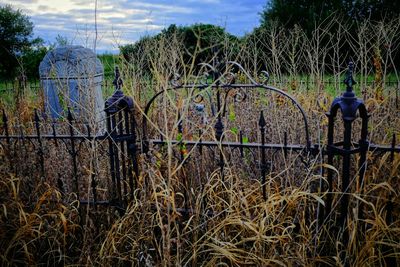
x: 109, y: 62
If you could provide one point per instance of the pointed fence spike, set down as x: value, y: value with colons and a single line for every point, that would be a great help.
x: 70, y: 118
x: 36, y: 116
x: 392, y: 148
x: 5, y: 118
x: 88, y: 130
x: 39, y: 140
x: 60, y: 185
x: 117, y: 80
x: 53, y: 127
x: 349, y: 80
x: 261, y: 121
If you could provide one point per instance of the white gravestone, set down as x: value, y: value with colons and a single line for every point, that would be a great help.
x: 71, y: 77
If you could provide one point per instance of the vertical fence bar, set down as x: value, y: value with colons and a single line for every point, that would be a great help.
x: 116, y: 104
x: 54, y: 132
x: 262, y: 124
x: 344, y: 202
x: 60, y: 184
x: 22, y: 148
x: 219, y: 130
x: 7, y: 134
x: 121, y: 122
x: 331, y: 122
x: 116, y: 158
x: 111, y: 153
x: 362, y: 164
x: 40, y: 148
x: 73, y: 154
x: 133, y: 150
x: 93, y: 182
x: 393, y: 145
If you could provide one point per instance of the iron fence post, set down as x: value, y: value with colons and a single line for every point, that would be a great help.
x: 40, y: 149
x: 73, y: 153
x: 122, y: 150
x: 330, y: 153
x: 344, y: 202
x: 350, y: 107
x: 93, y: 182
x: 111, y: 153
x: 219, y: 130
x: 7, y: 134
x: 116, y: 156
x: 262, y: 124
x: 114, y: 107
x: 131, y: 147
x: 362, y: 165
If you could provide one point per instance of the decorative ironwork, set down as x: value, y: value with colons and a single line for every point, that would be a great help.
x: 122, y: 139
x: 350, y: 107
x: 118, y: 100
x: 219, y: 71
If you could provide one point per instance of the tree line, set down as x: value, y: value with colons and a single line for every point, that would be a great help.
x: 289, y: 32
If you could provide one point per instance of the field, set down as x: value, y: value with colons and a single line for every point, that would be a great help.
x: 206, y: 207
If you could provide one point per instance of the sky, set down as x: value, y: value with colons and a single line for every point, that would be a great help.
x: 124, y: 21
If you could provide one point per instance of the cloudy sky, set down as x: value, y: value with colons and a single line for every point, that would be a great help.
x: 125, y: 21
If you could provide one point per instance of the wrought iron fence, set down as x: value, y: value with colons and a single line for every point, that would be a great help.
x: 125, y: 143
x: 73, y: 137
x: 307, y: 83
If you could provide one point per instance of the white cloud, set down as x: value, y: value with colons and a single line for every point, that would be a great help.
x: 124, y: 21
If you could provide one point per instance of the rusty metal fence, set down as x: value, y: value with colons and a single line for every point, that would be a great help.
x: 124, y: 141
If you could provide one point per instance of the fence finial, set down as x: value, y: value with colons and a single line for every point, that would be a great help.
x: 349, y: 81
x: 70, y: 118
x: 118, y: 100
x: 261, y: 121
x: 117, y: 80
x: 5, y: 119
x: 36, y: 116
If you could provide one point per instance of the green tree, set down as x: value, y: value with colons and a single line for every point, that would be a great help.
x: 199, y: 41
x: 304, y: 13
x: 16, y: 37
x: 31, y: 59
x: 371, y: 9
x: 308, y: 13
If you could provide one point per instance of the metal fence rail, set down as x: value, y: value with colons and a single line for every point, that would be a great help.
x: 125, y: 143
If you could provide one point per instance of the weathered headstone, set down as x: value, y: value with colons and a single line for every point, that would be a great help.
x: 71, y: 76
